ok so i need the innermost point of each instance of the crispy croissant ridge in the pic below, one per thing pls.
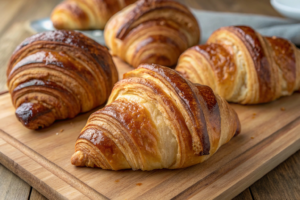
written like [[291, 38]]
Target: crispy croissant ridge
[[58, 74], [86, 14], [242, 66], [152, 31], [155, 119]]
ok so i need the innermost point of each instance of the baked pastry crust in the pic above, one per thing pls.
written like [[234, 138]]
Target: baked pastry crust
[[152, 31], [242, 66], [155, 119], [86, 14], [56, 75]]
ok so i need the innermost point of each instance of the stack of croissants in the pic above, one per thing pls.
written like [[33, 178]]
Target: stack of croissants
[[155, 117]]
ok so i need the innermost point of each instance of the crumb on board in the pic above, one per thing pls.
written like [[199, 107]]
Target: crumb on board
[[61, 130], [274, 37], [253, 115], [252, 137], [139, 184], [282, 108], [56, 133], [117, 180]]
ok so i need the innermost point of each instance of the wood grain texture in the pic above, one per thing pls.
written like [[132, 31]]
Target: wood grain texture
[[32, 10], [285, 176], [43, 180], [15, 11], [9, 183], [54, 169], [245, 195], [18, 11], [265, 141], [35, 195]]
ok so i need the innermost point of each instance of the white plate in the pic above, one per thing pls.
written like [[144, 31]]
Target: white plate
[[288, 8]]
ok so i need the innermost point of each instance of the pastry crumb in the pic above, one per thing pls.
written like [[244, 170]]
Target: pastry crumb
[[139, 184], [56, 133], [61, 130], [282, 108], [117, 181], [274, 37], [252, 137], [253, 115]]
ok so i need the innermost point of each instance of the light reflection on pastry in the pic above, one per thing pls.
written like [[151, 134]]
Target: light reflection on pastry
[[242, 66], [56, 75], [152, 31], [155, 119]]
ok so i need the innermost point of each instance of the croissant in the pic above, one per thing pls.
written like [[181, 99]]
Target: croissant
[[155, 119], [56, 75], [86, 14], [152, 31], [242, 66]]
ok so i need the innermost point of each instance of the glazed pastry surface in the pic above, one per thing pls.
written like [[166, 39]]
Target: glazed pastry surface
[[56, 75], [155, 119], [152, 31], [242, 66], [86, 14]]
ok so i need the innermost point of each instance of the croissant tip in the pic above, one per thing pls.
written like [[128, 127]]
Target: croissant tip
[[81, 159], [34, 115], [58, 22], [78, 159]]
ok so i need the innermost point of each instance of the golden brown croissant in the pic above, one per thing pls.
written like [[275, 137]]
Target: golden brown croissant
[[58, 74], [242, 66], [152, 31], [86, 14], [155, 119]]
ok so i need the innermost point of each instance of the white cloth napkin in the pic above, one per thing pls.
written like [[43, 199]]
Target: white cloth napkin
[[268, 26]]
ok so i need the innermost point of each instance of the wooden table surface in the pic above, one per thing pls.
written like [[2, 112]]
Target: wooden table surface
[[283, 182]]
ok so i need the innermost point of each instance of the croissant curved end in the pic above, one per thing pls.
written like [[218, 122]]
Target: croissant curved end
[[87, 14], [80, 159], [60, 21], [35, 116]]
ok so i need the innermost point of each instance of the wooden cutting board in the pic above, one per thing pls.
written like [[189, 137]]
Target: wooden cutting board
[[270, 134]]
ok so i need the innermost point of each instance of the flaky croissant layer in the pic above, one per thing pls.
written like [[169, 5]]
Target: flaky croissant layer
[[155, 119], [152, 31], [242, 66], [56, 75], [86, 14]]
